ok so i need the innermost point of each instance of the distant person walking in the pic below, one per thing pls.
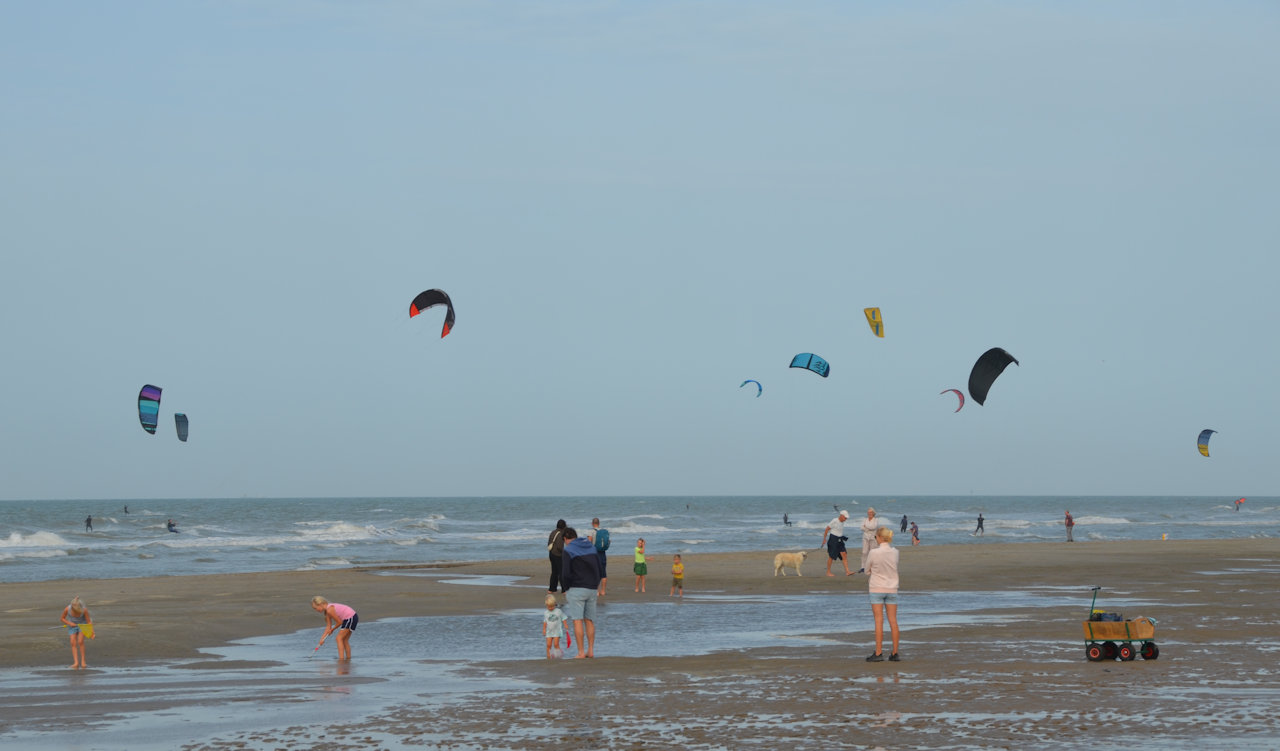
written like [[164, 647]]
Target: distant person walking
[[869, 527], [834, 538], [915, 534], [88, 523], [555, 551], [979, 530], [581, 581], [904, 523], [882, 584], [1070, 523], [600, 538]]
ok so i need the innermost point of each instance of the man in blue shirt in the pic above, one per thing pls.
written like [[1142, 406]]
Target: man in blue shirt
[[580, 578]]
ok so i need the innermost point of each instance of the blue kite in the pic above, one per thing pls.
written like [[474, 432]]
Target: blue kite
[[810, 361]]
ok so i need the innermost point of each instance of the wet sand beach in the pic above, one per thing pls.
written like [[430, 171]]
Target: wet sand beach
[[1011, 673]]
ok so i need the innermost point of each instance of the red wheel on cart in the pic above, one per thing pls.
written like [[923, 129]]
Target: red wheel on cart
[[1094, 652], [1109, 650], [1149, 650], [1126, 652]]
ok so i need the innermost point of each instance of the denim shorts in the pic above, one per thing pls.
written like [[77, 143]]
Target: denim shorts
[[884, 598], [580, 603]]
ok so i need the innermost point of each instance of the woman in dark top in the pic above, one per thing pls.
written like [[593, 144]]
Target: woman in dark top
[[555, 549]]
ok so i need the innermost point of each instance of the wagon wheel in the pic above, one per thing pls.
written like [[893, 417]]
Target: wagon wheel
[[1149, 650], [1094, 652], [1126, 652], [1109, 650]]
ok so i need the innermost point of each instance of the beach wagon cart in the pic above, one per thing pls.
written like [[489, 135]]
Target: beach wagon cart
[[1108, 636]]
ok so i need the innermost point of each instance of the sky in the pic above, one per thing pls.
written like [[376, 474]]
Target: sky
[[635, 207]]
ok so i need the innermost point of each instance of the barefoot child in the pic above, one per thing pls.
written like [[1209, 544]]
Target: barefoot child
[[642, 566], [337, 617], [677, 577], [75, 616], [553, 626]]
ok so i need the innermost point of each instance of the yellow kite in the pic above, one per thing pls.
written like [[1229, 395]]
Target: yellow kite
[[875, 321]]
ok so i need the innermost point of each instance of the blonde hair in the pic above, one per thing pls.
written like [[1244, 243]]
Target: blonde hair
[[318, 600], [76, 606], [550, 600], [885, 533]]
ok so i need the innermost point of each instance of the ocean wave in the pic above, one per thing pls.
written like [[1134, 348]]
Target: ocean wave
[[343, 531], [33, 540], [28, 554], [1098, 520], [632, 528], [329, 562]]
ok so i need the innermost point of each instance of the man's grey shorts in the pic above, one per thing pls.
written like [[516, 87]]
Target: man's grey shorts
[[580, 603]]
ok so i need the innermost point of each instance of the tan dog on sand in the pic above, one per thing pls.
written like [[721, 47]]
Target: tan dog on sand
[[782, 560]]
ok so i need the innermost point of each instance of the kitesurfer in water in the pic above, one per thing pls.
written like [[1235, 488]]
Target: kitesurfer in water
[[786, 520], [88, 523], [171, 525], [979, 530]]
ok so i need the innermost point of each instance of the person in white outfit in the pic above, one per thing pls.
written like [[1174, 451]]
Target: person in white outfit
[[869, 527]]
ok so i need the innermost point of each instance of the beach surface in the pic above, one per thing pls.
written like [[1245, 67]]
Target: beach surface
[[1009, 673]]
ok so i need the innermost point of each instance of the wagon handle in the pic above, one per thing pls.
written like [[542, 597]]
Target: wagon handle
[[1095, 600]]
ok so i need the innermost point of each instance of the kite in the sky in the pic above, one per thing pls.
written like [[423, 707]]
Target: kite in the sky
[[431, 298], [1202, 442], [149, 407], [759, 388], [986, 370], [180, 422], [959, 395], [812, 362], [875, 321]]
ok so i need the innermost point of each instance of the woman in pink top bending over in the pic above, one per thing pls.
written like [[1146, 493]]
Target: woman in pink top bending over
[[336, 617], [882, 572]]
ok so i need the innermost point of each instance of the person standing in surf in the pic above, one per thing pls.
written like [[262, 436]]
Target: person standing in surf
[[882, 585], [337, 617], [1069, 522], [74, 616], [979, 530], [581, 581]]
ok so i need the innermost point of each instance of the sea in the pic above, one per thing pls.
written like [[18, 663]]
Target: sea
[[47, 540]]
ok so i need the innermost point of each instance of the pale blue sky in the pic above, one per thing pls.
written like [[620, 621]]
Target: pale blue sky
[[636, 206]]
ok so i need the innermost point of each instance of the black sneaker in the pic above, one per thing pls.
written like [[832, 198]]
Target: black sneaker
[[894, 657], [877, 657]]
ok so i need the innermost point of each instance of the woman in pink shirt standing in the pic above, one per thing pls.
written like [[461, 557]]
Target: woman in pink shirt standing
[[882, 573], [336, 617]]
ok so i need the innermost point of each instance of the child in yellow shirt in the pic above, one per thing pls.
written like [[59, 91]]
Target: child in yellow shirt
[[677, 577]]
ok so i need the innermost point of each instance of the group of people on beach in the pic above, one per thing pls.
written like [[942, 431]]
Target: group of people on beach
[[579, 567], [879, 561]]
